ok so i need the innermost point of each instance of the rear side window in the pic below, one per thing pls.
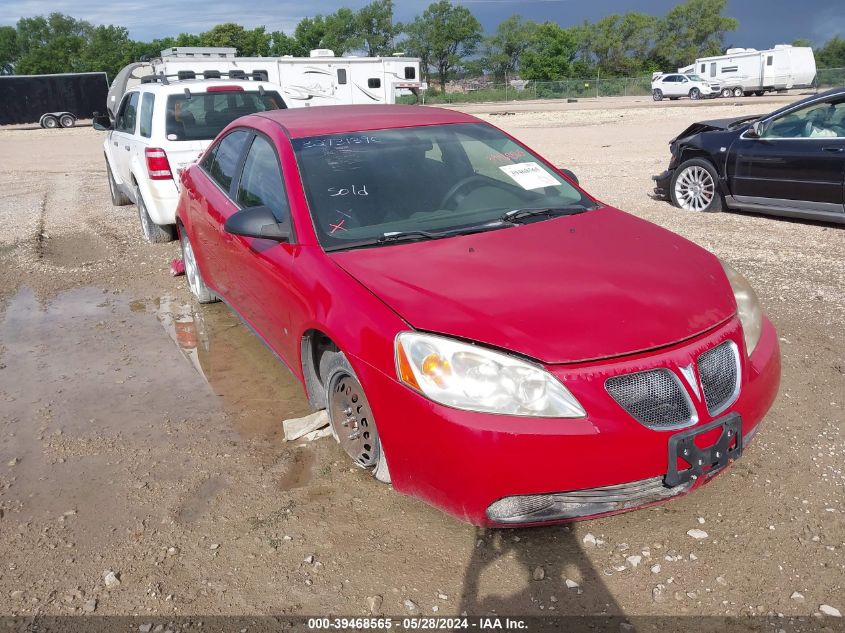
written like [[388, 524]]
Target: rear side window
[[374, 82], [203, 116], [128, 114], [221, 162], [261, 181], [341, 76], [147, 105]]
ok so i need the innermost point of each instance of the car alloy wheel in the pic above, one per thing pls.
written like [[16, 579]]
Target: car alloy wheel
[[695, 94], [694, 188], [192, 272], [657, 95]]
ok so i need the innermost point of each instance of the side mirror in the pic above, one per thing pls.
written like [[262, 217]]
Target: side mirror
[[257, 222], [101, 122], [755, 131], [569, 174]]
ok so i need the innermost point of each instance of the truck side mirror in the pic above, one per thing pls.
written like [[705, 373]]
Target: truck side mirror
[[101, 122]]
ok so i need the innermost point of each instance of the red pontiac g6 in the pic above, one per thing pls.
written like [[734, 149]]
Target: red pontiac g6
[[484, 335]]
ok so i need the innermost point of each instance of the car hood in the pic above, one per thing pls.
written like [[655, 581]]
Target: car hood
[[595, 285], [714, 124]]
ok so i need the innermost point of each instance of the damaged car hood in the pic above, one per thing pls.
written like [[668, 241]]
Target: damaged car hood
[[595, 285], [715, 124]]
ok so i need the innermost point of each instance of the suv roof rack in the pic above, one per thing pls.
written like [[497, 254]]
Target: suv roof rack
[[182, 75]]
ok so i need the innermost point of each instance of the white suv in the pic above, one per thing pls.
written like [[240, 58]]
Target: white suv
[[675, 85], [160, 127]]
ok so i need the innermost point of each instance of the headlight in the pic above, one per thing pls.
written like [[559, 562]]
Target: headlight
[[477, 379], [747, 307]]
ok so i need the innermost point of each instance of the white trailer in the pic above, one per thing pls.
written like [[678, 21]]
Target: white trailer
[[747, 71], [321, 79]]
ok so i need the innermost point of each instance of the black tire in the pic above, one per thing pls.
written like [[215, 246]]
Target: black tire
[[759, 93], [50, 122], [118, 198], [738, 92], [657, 94], [747, 93], [695, 94], [154, 233], [67, 120], [727, 93], [193, 276], [365, 450], [695, 187], [673, 98]]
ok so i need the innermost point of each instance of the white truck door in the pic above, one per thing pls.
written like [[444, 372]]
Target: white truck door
[[368, 83], [343, 83]]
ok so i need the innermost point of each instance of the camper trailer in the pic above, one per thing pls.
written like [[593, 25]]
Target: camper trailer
[[52, 101], [747, 71], [321, 79]]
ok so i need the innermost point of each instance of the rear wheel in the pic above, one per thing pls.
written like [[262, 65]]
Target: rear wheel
[[657, 94], [50, 122], [351, 418], [118, 198], [694, 187], [154, 233], [192, 272], [737, 92], [67, 120], [695, 94]]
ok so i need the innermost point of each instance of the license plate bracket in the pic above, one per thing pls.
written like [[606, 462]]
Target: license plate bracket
[[704, 461]]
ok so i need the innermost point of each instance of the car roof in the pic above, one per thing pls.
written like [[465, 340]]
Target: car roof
[[321, 120]]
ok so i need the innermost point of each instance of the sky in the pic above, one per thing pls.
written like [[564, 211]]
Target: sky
[[762, 23]]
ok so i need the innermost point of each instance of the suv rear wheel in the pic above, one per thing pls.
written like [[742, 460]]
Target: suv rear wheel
[[118, 198], [154, 233], [694, 186]]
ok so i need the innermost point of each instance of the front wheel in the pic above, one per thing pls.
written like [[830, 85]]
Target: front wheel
[[695, 94], [351, 417], [155, 234], [694, 186], [192, 272], [657, 94]]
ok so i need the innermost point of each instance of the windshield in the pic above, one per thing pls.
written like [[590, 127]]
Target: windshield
[[695, 78], [432, 179], [201, 116]]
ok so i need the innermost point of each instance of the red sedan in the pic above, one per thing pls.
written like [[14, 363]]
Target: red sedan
[[484, 334]]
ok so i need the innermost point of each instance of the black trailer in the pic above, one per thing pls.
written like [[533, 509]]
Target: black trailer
[[52, 100]]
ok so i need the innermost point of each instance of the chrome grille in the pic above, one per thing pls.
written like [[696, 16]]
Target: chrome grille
[[654, 398], [718, 369]]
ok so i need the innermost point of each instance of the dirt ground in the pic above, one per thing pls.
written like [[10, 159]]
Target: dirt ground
[[141, 434]]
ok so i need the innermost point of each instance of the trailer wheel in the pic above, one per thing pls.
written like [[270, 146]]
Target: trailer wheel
[[67, 120], [50, 122], [737, 92], [727, 92]]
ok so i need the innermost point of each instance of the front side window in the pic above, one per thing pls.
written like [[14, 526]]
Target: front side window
[[203, 116], [261, 181], [818, 120], [438, 179], [222, 161], [128, 114], [147, 106]]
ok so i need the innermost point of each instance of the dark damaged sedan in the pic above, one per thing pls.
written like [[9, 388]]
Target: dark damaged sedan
[[790, 162]]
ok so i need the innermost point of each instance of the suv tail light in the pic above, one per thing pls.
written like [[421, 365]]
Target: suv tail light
[[158, 166]]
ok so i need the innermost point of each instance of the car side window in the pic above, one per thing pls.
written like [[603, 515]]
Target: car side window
[[222, 162], [147, 106], [128, 114], [261, 181], [818, 120]]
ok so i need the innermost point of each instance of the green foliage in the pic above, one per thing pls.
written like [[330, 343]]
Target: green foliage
[[551, 52], [694, 29], [621, 44], [442, 36], [376, 29], [504, 49], [109, 49], [336, 31], [51, 44], [254, 43], [8, 49], [832, 54], [283, 44]]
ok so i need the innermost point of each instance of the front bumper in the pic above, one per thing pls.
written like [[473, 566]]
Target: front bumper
[[462, 462], [662, 182]]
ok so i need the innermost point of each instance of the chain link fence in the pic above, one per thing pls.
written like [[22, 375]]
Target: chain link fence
[[580, 89]]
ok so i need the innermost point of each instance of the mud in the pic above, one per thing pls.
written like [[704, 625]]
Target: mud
[[141, 433]]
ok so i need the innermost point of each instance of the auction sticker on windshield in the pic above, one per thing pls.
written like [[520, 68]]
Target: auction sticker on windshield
[[530, 175]]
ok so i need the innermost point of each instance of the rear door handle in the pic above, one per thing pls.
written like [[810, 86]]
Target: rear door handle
[[833, 149], [126, 147]]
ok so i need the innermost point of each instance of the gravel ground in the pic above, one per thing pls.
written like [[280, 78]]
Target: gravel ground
[[142, 468]]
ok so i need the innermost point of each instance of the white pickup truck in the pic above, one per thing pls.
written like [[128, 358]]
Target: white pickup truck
[[160, 127]]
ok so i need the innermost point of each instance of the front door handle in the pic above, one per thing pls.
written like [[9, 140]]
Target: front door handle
[[833, 149]]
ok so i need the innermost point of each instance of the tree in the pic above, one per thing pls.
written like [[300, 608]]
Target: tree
[[336, 31], [108, 50], [8, 49], [442, 36], [694, 29], [503, 50], [551, 52], [832, 54], [376, 29], [621, 44], [51, 45], [801, 41], [283, 44]]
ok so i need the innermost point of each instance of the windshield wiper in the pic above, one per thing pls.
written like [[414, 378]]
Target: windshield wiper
[[398, 236], [519, 214]]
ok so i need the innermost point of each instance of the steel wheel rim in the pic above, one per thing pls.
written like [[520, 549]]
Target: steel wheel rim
[[695, 189], [50, 123], [352, 420], [737, 92], [726, 93], [191, 270]]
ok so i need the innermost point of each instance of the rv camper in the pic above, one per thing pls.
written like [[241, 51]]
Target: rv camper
[[321, 79], [746, 71]]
